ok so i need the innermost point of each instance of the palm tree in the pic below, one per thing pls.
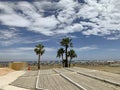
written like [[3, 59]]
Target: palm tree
[[66, 42], [72, 55], [60, 53], [39, 50]]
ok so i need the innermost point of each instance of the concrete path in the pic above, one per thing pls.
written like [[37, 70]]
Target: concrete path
[[8, 78]]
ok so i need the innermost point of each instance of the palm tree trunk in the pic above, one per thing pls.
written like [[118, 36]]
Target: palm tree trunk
[[62, 61], [70, 62], [39, 61], [66, 61]]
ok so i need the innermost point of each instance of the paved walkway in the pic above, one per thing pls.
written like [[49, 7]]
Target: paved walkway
[[8, 78]]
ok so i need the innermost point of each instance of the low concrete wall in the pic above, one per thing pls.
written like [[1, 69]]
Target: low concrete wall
[[18, 65]]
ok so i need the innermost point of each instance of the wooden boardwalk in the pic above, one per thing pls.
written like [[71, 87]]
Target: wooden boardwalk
[[56, 82], [30, 73], [90, 83], [98, 74], [67, 79], [48, 71], [25, 81]]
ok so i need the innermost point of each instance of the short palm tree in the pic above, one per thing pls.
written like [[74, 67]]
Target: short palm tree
[[39, 50], [72, 55], [60, 53], [66, 42]]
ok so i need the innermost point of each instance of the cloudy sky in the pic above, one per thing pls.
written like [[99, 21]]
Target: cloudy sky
[[93, 25]]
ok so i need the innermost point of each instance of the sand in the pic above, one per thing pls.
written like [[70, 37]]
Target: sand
[[4, 71]]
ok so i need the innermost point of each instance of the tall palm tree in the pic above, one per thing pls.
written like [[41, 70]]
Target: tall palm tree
[[72, 55], [60, 53], [66, 42], [39, 50]]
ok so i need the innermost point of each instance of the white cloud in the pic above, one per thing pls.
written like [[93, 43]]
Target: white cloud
[[102, 18], [113, 38], [9, 17], [113, 50], [5, 8], [47, 49], [28, 41], [26, 48], [10, 41], [44, 25], [9, 37], [67, 14], [8, 34], [31, 15], [86, 48], [72, 36], [14, 20], [25, 53], [70, 29], [17, 54], [46, 5], [85, 12], [13, 36]]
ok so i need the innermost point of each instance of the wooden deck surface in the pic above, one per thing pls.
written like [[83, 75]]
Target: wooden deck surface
[[49, 71], [100, 74], [54, 79], [55, 82], [90, 83], [30, 73]]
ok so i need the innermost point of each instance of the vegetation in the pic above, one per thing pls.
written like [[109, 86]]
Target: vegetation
[[60, 53], [72, 55], [66, 43], [39, 50]]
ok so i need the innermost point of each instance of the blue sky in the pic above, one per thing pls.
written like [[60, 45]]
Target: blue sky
[[93, 25]]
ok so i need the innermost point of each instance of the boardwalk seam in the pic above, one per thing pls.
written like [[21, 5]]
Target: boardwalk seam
[[98, 78], [36, 85], [71, 81]]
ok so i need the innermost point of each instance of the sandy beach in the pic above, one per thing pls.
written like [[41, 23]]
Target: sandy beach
[[4, 71]]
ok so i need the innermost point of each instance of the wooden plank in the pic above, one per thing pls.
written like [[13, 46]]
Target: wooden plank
[[90, 83], [100, 75], [54, 82]]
